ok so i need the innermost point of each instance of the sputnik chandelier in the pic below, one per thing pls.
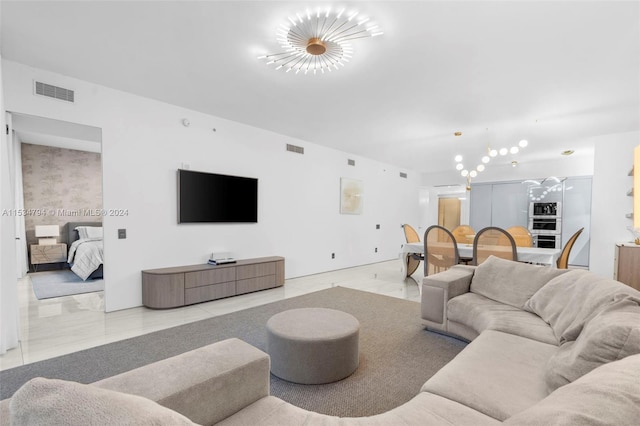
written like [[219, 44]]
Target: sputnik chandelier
[[319, 41]]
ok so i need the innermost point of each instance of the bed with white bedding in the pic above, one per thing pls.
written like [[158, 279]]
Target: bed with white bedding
[[85, 249]]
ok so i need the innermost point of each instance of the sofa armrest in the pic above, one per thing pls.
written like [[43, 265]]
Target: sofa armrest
[[439, 288], [207, 384]]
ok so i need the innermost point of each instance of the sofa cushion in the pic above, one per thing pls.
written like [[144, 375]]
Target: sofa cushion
[[498, 374], [423, 409], [509, 282], [481, 313], [608, 395], [611, 335], [568, 302], [50, 402]]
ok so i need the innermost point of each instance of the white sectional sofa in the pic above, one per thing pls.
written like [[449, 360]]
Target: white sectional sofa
[[547, 347]]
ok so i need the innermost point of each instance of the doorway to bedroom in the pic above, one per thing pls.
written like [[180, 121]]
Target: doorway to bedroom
[[59, 190]]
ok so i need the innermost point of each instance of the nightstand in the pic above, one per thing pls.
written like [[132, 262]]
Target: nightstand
[[51, 253]]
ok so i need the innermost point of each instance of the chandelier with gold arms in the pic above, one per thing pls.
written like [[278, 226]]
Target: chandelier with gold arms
[[469, 173], [319, 41]]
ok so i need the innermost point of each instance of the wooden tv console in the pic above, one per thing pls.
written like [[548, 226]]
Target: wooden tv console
[[185, 285]]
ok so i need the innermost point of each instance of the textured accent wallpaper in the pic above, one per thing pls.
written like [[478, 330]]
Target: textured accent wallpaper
[[60, 186]]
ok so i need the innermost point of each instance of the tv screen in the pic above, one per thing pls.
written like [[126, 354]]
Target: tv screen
[[212, 198]]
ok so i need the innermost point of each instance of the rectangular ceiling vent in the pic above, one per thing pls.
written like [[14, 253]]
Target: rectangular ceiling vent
[[403, 175], [55, 92], [296, 149], [351, 162]]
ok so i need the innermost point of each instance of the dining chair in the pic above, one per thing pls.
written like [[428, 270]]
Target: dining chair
[[464, 234], [412, 259], [563, 260], [440, 250], [521, 236], [493, 241]]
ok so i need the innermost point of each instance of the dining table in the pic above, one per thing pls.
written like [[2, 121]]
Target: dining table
[[535, 255]]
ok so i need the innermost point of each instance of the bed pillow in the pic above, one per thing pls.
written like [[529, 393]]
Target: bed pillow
[[509, 282], [82, 232], [89, 231], [41, 402], [94, 232]]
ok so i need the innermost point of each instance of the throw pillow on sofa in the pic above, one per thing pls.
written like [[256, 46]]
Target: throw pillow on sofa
[[569, 301], [54, 402], [509, 282], [609, 395], [611, 335]]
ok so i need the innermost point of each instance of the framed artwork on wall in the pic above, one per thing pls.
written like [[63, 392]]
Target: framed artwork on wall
[[351, 196]]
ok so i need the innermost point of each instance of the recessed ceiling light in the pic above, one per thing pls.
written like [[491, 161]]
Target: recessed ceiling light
[[567, 152]]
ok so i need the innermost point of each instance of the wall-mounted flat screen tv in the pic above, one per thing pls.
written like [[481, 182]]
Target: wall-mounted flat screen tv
[[214, 198]]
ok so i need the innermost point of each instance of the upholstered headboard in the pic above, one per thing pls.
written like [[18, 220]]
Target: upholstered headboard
[[70, 232]]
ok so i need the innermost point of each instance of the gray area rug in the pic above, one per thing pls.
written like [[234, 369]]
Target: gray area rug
[[397, 355], [50, 284]]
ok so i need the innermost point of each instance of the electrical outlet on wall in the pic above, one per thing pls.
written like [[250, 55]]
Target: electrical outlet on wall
[[333, 255]]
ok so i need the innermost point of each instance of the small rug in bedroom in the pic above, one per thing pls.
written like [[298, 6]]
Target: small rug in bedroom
[[50, 284]]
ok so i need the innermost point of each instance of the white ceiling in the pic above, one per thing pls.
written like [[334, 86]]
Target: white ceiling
[[553, 72]]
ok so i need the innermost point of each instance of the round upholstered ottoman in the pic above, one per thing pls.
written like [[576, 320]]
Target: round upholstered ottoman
[[313, 345]]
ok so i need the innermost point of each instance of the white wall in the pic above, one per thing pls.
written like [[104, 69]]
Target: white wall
[[144, 143], [9, 314], [610, 202]]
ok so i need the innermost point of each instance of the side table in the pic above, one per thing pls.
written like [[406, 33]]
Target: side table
[[50, 253]]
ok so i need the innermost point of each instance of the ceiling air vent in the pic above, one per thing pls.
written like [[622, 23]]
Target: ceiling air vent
[[296, 149], [403, 175], [351, 162], [54, 92]]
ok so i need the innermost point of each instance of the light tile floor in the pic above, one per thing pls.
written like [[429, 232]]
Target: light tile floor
[[59, 326]]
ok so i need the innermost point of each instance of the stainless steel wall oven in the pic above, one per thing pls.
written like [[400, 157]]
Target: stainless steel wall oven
[[545, 224]]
